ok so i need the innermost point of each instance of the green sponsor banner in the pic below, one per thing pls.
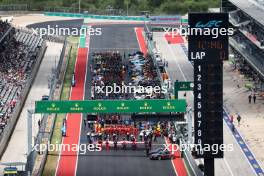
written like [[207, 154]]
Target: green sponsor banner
[[183, 86], [110, 106], [184, 20]]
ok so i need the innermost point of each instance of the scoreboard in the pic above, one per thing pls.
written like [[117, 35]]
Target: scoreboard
[[207, 52]]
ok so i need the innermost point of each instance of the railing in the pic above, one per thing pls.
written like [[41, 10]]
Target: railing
[[250, 58]]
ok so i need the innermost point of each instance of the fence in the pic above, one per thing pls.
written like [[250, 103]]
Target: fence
[[86, 11], [14, 7], [61, 9]]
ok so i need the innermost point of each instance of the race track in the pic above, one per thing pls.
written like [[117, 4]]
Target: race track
[[112, 163]]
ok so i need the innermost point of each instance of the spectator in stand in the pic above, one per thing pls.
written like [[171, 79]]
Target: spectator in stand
[[4, 26], [16, 62]]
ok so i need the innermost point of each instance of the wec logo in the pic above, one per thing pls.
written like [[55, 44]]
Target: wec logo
[[209, 24]]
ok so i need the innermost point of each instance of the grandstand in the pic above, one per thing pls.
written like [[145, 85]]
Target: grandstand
[[4, 28], [19, 51], [248, 42]]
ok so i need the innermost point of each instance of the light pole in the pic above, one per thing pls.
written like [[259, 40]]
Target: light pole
[[127, 2], [79, 6]]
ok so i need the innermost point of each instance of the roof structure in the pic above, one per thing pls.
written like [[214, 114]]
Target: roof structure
[[252, 8]]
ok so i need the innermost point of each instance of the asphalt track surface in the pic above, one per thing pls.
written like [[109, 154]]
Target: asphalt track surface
[[123, 38], [76, 23], [117, 163]]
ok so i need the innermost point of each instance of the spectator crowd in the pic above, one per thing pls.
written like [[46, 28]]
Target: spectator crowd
[[135, 70], [16, 62], [107, 69], [115, 130], [4, 26]]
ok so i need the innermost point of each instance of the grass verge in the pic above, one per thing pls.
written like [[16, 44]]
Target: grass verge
[[52, 159]]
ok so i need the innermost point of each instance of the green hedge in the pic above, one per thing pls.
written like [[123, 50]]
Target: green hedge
[[134, 6]]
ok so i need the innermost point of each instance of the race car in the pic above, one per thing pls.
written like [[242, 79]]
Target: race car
[[157, 150], [162, 155]]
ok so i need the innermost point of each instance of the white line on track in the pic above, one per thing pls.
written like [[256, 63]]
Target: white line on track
[[228, 166], [58, 161], [176, 61], [80, 128]]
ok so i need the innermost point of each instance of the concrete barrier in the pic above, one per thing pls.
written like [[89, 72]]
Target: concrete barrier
[[190, 164]]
